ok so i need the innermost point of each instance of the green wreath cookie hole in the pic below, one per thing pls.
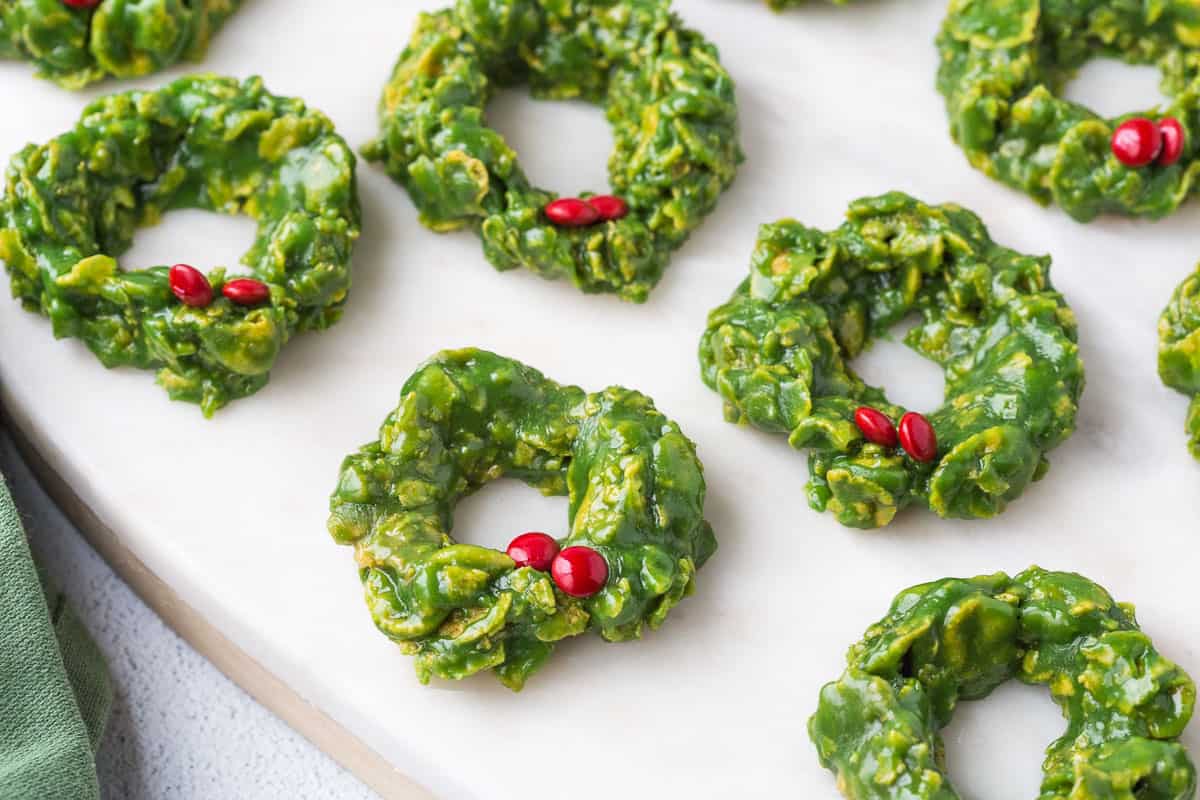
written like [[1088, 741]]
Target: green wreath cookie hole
[[635, 492], [779, 352], [72, 206], [878, 726], [781, 5], [668, 99], [1179, 351], [1003, 66], [75, 46]]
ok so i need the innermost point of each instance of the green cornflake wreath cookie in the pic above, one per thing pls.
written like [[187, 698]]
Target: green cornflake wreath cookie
[[667, 97], [72, 205], [77, 42], [878, 726], [778, 353], [1003, 65], [466, 417], [1179, 350]]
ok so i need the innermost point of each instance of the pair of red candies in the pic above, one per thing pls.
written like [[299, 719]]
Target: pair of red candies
[[914, 433], [571, 212], [1138, 142], [193, 289], [579, 571]]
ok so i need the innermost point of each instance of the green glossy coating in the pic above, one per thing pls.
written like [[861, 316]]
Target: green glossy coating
[[71, 206], [1179, 350], [878, 726], [779, 354], [117, 38], [1003, 65], [666, 95], [635, 494]]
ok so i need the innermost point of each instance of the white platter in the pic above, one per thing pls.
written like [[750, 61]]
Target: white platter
[[221, 523]]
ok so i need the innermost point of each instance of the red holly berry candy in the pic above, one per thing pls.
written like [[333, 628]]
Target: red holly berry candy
[[1136, 142], [81, 3], [917, 437], [609, 206], [876, 427], [190, 286], [571, 212], [533, 549], [246, 291], [1172, 141], [579, 571]]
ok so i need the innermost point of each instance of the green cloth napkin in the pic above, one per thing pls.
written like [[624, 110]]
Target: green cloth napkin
[[54, 690]]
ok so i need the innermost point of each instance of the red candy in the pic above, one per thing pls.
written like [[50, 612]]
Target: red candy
[[1172, 141], [81, 3], [533, 549], [1136, 142], [917, 437], [246, 291], [571, 212], [579, 571], [609, 206], [876, 427], [190, 286]]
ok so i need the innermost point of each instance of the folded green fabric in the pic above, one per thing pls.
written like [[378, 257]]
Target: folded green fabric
[[54, 689]]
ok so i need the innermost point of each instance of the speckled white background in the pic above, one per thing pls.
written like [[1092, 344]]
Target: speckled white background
[[179, 728]]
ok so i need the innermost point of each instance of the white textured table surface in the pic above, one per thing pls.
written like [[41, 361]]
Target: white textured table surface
[[836, 103], [179, 728]]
